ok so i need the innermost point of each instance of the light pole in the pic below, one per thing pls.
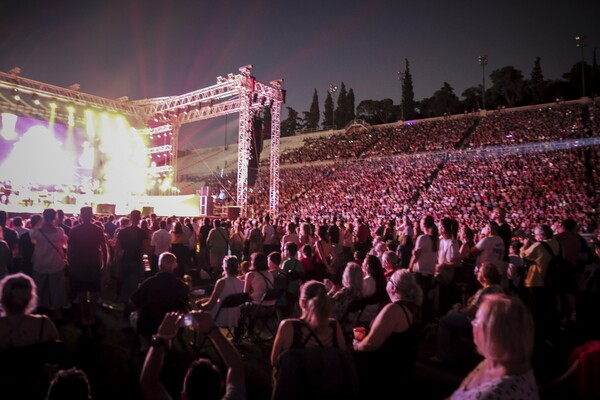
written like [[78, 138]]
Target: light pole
[[332, 89], [581, 44], [401, 77], [483, 60]]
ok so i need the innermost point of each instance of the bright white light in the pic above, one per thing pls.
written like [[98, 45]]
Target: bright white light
[[9, 122]]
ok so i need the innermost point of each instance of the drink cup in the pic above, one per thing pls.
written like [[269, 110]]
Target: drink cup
[[359, 332]]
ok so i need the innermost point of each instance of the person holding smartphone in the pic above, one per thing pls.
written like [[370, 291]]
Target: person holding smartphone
[[203, 379]]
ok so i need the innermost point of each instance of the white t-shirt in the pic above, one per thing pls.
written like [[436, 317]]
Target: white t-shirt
[[492, 251], [427, 257], [269, 232], [448, 251]]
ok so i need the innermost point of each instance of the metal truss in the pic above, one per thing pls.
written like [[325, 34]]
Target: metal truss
[[239, 93], [24, 85], [274, 162]]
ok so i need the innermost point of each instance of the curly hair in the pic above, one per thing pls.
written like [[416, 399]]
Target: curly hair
[[19, 294]]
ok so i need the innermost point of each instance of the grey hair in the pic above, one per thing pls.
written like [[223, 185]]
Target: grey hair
[[405, 285]]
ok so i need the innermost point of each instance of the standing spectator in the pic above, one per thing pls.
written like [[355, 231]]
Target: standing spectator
[[363, 240], [87, 253], [290, 236], [237, 240], [504, 230], [503, 334], [21, 230], [572, 251], [63, 223], [424, 260], [131, 245], [217, 243], [11, 237], [110, 227], [490, 248], [204, 231], [270, 243], [160, 243], [49, 263], [26, 247], [179, 247], [5, 257], [324, 255], [254, 239], [347, 244], [406, 241], [295, 273], [539, 298]]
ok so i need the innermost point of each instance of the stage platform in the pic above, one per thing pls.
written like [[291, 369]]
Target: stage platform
[[179, 205]]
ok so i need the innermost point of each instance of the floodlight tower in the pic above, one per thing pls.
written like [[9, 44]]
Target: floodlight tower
[[483, 61]]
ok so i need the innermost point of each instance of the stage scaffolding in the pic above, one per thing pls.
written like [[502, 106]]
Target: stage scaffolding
[[236, 93]]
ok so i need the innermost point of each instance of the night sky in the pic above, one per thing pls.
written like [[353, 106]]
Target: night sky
[[147, 48]]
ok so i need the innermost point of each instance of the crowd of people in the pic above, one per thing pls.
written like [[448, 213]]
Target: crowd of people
[[409, 233]]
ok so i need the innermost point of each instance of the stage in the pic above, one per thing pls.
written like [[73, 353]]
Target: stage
[[178, 205]]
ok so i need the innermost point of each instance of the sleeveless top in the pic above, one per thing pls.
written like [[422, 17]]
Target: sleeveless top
[[300, 341], [399, 349], [394, 362]]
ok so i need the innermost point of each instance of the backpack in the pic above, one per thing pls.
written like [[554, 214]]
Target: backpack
[[559, 271]]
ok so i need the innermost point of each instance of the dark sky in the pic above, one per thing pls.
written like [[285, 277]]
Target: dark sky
[[149, 48]]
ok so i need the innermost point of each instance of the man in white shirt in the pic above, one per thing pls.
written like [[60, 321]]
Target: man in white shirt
[[161, 243]]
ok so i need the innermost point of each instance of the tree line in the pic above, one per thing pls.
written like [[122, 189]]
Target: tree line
[[509, 88]]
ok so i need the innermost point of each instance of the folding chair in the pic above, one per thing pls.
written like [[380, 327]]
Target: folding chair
[[267, 316], [231, 301]]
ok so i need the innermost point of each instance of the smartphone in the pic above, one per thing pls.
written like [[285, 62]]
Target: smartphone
[[188, 320]]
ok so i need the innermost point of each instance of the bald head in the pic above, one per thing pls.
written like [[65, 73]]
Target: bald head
[[167, 262]]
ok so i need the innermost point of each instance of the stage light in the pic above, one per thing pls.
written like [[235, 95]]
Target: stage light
[[15, 94], [52, 103], [35, 98], [71, 118]]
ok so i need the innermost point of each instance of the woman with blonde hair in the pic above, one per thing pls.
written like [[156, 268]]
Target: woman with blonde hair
[[388, 352], [309, 356], [315, 327], [503, 333]]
